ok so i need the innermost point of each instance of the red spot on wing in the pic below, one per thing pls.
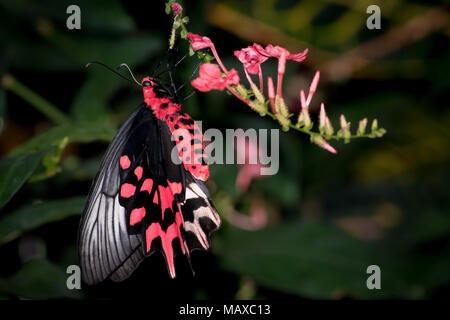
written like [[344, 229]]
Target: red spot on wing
[[137, 215], [154, 231], [175, 187], [127, 190], [166, 199], [155, 198], [172, 232], [147, 185], [138, 172], [125, 162]]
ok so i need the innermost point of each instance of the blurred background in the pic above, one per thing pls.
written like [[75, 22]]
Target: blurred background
[[309, 232]]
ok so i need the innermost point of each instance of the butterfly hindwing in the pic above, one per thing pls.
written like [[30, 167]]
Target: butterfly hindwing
[[200, 216]]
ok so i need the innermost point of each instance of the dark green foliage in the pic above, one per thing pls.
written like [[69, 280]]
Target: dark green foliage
[[329, 217]]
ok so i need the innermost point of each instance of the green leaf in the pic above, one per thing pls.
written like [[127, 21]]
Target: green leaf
[[14, 224], [183, 33], [14, 171], [38, 279], [83, 132], [50, 162], [314, 260]]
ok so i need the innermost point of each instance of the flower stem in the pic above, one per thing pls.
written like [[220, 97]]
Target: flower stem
[[261, 81], [214, 52], [237, 95]]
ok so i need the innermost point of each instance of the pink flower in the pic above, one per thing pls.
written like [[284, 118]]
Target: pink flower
[[199, 42], [211, 78], [257, 218], [176, 8], [271, 94], [251, 59], [282, 55], [277, 52], [232, 78]]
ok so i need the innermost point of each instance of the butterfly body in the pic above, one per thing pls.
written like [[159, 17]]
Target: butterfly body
[[142, 200]]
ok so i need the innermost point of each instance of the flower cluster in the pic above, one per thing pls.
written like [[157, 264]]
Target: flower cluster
[[214, 76], [211, 77]]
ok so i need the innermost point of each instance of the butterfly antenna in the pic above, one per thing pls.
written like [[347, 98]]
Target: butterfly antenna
[[170, 68], [190, 78], [156, 69], [131, 73], [172, 83], [189, 95], [110, 69], [181, 60]]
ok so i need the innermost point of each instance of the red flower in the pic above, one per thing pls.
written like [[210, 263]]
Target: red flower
[[277, 52], [232, 78], [282, 55], [211, 78], [251, 59], [199, 42], [176, 8]]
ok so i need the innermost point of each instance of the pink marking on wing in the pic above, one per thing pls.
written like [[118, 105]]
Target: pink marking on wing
[[176, 187], [171, 233], [147, 185], [138, 172], [154, 231], [137, 215], [155, 198], [166, 199], [125, 162], [180, 222], [127, 190]]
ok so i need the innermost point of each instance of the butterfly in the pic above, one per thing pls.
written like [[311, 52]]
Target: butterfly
[[149, 194]]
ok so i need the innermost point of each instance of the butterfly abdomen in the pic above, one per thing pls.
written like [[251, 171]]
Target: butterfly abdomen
[[189, 141]]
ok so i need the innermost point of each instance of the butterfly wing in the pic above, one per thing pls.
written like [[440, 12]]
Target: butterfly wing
[[112, 237], [104, 243], [141, 201], [199, 214]]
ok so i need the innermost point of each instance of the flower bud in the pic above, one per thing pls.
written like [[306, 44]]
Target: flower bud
[[374, 125], [345, 127], [242, 91], [306, 119], [328, 127], [283, 121], [322, 143], [257, 93], [281, 106], [322, 117], [313, 87], [258, 107], [362, 127], [305, 113]]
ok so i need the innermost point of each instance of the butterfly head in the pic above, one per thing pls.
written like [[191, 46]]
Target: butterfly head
[[147, 88], [158, 97]]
